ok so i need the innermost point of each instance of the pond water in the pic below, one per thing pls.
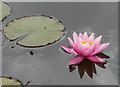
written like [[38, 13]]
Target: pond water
[[48, 65]]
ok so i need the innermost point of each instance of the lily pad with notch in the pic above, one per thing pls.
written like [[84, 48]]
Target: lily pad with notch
[[34, 31]]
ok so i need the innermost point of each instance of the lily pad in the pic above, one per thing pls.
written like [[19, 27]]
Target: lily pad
[[8, 81], [34, 31], [4, 10]]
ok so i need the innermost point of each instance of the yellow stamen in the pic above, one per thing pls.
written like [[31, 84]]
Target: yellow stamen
[[90, 43], [84, 42]]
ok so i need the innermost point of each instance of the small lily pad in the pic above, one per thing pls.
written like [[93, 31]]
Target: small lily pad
[[8, 81], [4, 10], [34, 31]]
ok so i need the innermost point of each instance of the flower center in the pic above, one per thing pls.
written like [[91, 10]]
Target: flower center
[[84, 42]]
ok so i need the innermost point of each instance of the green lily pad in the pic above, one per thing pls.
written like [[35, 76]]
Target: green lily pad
[[4, 10], [4, 81], [34, 31]]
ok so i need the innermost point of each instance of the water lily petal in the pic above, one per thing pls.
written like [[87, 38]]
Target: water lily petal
[[86, 46], [91, 37], [75, 37], [100, 48], [85, 36], [97, 42], [96, 59], [80, 47], [88, 52], [80, 35], [75, 60], [73, 45], [71, 42], [69, 49]]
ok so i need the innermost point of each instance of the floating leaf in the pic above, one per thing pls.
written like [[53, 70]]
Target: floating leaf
[[10, 82], [4, 10], [34, 31]]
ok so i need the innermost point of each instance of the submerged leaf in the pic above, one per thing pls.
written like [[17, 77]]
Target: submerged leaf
[[34, 31], [4, 10], [10, 82]]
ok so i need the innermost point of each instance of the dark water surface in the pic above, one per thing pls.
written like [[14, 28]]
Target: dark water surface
[[48, 65]]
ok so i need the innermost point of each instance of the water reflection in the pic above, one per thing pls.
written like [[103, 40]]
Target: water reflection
[[89, 66]]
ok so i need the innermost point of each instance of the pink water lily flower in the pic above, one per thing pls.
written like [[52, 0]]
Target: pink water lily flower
[[85, 47]]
